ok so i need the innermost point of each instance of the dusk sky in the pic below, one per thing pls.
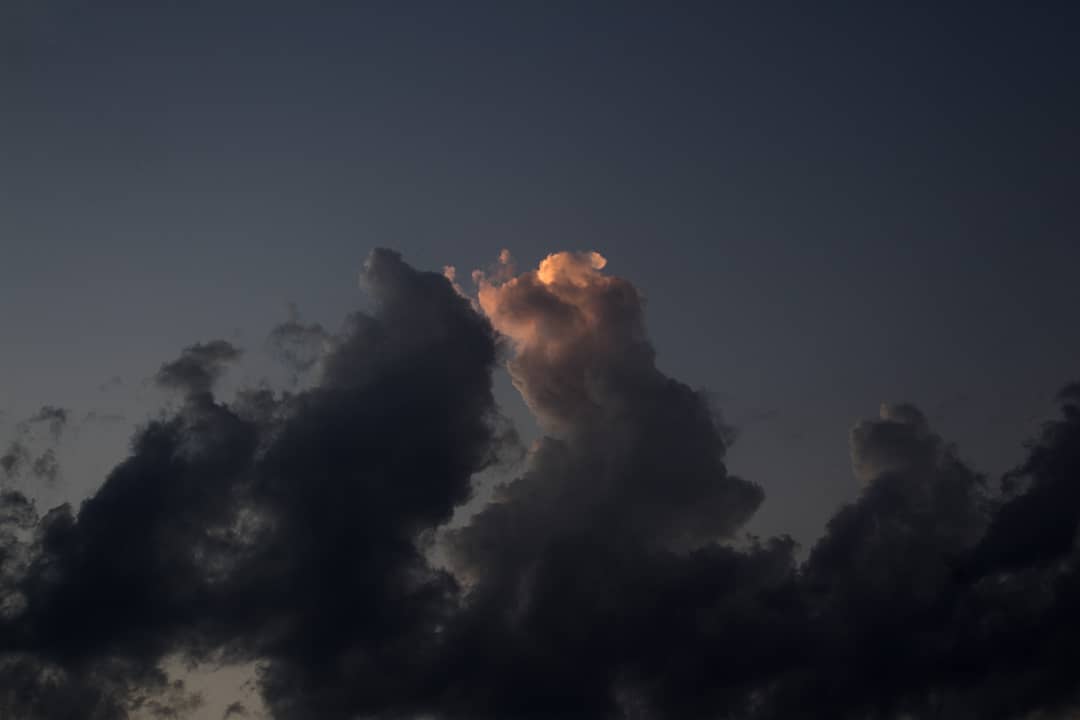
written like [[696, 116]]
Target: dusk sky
[[803, 210]]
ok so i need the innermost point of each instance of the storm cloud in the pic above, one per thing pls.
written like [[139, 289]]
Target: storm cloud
[[305, 530]]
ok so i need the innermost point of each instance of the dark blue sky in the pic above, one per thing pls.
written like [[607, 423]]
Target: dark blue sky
[[826, 206]]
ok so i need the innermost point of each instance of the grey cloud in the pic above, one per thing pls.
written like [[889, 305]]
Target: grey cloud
[[235, 710], [14, 458], [55, 418], [298, 345], [198, 367], [46, 466], [285, 534], [608, 580]]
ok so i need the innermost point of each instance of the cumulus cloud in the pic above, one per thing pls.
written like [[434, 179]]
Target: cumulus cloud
[[1037, 526], [286, 536], [626, 490], [634, 450], [610, 578]]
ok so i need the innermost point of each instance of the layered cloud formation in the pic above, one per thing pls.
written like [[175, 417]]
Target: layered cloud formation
[[294, 529]]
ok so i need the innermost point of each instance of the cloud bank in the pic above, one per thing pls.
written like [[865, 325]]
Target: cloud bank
[[611, 578]]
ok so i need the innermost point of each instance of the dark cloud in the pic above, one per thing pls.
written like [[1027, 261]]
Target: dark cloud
[[282, 529], [298, 345], [305, 531], [879, 586], [1037, 522], [29, 454], [46, 466], [55, 418], [933, 595], [198, 367], [34, 685], [33, 690], [17, 518], [14, 458], [580, 573], [235, 710], [382, 449]]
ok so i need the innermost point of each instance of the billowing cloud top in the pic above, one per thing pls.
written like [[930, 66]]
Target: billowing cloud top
[[574, 330]]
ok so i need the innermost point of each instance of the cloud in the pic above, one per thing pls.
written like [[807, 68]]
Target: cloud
[[880, 584], [18, 460], [198, 367], [1038, 526], [29, 453], [288, 536], [298, 345], [611, 578], [626, 445], [55, 418], [14, 458], [46, 466], [235, 710], [614, 525]]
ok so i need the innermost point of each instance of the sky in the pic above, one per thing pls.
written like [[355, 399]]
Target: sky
[[817, 208]]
